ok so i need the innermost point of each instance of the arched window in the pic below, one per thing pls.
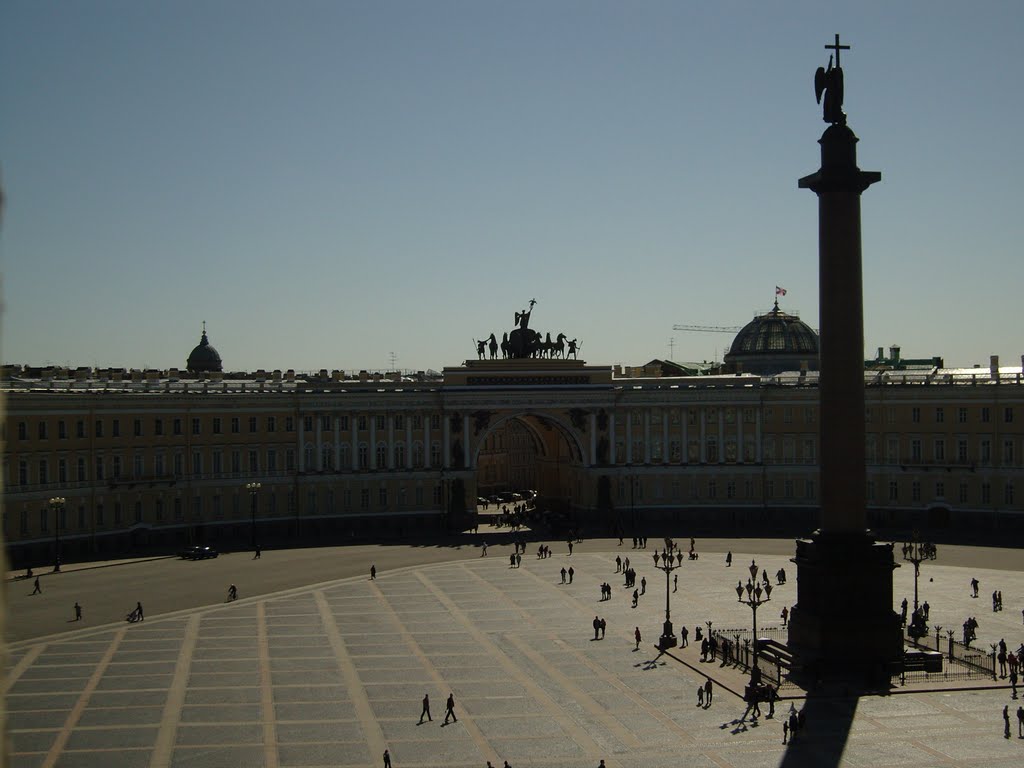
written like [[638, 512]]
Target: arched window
[[417, 455], [364, 456], [343, 462], [382, 455], [400, 455], [327, 456]]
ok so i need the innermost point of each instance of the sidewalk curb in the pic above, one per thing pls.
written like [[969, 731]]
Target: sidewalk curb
[[75, 568]]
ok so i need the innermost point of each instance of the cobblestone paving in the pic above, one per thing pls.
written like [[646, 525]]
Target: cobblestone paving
[[332, 674]]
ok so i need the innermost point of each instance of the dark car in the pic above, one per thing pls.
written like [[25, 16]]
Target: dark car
[[199, 553]]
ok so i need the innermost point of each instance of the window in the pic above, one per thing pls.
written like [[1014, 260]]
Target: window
[[382, 456], [289, 460], [307, 423], [871, 490], [382, 497], [271, 424], [379, 421], [254, 461], [81, 516], [158, 427], [139, 467], [1008, 493], [80, 428], [43, 472], [62, 470], [158, 508], [940, 450], [435, 421], [176, 426], [986, 415], [197, 463], [44, 520], [137, 427], [712, 489], [325, 422], [22, 430], [809, 415], [1008, 453], [364, 498], [138, 511], [961, 451], [787, 488], [961, 415], [417, 421], [940, 490], [62, 430], [271, 460], [24, 522], [196, 424], [22, 472], [97, 428], [400, 455], [364, 456], [289, 424], [343, 423], [177, 509], [399, 422], [963, 493], [115, 428], [42, 430], [986, 493], [81, 470], [809, 490], [986, 452], [216, 425], [915, 450], [435, 454], [117, 513], [99, 513], [218, 462], [236, 425], [915, 414], [1008, 414], [940, 415], [307, 459], [179, 464], [894, 490], [252, 424], [116, 470], [236, 461]]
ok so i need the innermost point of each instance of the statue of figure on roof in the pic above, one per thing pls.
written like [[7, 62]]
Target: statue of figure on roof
[[830, 83]]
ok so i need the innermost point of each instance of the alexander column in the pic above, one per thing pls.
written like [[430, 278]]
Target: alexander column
[[843, 624]]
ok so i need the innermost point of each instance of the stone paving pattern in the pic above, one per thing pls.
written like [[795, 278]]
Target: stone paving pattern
[[334, 673]]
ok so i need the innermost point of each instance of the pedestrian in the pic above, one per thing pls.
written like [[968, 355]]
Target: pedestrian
[[601, 764], [773, 694], [1006, 721], [974, 586], [684, 635], [728, 559], [387, 759], [618, 564], [636, 597], [571, 572], [597, 627], [138, 611], [604, 626], [708, 693], [257, 555], [785, 730], [570, 547], [563, 575], [373, 572], [38, 590], [700, 695], [78, 612], [785, 615], [1020, 722], [643, 585], [636, 634], [426, 709], [450, 709], [675, 582], [483, 549], [794, 722]]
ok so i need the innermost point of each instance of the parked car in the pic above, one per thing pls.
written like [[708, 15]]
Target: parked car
[[199, 553]]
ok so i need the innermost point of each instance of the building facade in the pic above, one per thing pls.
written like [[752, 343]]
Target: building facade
[[158, 459]]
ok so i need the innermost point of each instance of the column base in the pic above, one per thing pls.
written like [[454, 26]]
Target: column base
[[668, 638], [843, 626]]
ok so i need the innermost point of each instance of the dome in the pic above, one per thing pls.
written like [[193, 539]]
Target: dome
[[204, 358], [774, 342]]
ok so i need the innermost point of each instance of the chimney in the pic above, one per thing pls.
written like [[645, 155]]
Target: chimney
[[881, 355], [894, 353], [993, 366]]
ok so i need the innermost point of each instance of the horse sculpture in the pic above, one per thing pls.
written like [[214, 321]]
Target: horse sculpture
[[493, 347]]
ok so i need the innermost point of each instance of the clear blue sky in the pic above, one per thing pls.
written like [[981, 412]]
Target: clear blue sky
[[326, 183]]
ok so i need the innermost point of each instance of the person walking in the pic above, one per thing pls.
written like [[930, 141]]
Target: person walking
[[387, 759], [426, 709], [785, 615], [571, 573], [483, 549], [636, 597], [636, 634], [1020, 722], [38, 590], [78, 612], [449, 710], [564, 572], [1006, 721], [643, 585], [257, 555], [597, 627], [138, 611], [728, 559], [373, 572], [604, 626], [708, 693], [675, 582]]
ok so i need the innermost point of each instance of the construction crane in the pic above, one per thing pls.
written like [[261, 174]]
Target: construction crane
[[707, 328]]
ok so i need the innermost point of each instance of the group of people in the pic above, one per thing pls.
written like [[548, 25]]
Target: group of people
[[600, 625]]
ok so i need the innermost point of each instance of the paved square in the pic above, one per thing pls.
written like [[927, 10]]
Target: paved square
[[333, 674]]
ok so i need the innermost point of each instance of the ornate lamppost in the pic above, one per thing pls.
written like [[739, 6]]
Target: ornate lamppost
[[253, 488], [916, 552], [756, 597], [57, 505], [666, 563]]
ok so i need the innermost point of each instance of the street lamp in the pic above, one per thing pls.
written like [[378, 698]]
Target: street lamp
[[668, 638], [253, 488], [57, 505], [755, 600], [917, 552]]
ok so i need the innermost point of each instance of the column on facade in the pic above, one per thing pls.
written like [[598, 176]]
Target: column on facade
[[391, 441], [302, 441], [319, 442], [703, 435], [426, 440], [465, 441], [684, 416], [593, 439], [629, 435], [664, 437], [446, 447], [354, 426], [647, 435], [739, 434], [612, 458], [757, 434], [408, 441], [721, 435], [373, 441], [337, 442]]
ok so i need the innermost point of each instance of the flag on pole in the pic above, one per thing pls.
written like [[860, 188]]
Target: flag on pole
[[780, 291]]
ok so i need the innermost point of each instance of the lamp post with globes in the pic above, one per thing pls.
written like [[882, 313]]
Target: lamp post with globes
[[665, 563], [253, 488], [756, 596], [916, 551], [57, 505]]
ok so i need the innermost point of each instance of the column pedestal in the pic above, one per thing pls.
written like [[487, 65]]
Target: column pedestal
[[843, 625]]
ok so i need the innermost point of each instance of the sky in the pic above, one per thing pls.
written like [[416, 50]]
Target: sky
[[351, 185]]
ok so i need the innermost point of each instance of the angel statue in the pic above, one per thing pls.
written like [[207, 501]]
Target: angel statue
[[830, 82]]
